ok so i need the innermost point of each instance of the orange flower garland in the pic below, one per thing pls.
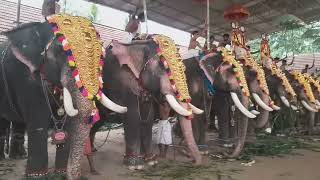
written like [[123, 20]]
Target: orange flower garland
[[306, 85]]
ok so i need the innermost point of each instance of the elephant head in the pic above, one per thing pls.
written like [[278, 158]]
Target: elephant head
[[303, 90], [47, 56], [148, 66], [280, 87], [227, 75]]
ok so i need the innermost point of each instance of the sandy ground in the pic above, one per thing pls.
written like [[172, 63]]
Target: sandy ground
[[304, 166]]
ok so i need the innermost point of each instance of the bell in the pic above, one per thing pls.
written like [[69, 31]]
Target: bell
[[60, 111]]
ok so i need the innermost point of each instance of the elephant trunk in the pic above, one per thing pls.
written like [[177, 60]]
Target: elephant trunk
[[263, 118], [242, 131], [307, 106], [79, 133], [186, 128]]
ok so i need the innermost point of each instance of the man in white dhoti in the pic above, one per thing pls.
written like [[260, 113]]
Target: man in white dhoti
[[133, 27], [164, 134]]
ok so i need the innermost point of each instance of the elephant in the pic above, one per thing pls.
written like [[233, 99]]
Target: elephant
[[224, 73], [135, 77], [31, 58], [282, 92], [200, 98], [305, 97]]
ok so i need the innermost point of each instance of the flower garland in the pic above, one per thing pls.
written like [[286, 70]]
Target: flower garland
[[237, 68], [306, 85], [250, 62], [285, 82], [84, 51], [316, 83], [175, 68]]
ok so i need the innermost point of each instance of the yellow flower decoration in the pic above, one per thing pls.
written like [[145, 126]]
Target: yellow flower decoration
[[285, 82], [306, 85], [172, 61], [250, 62], [316, 83], [237, 68]]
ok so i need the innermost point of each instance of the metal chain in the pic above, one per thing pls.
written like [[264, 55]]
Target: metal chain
[[55, 121]]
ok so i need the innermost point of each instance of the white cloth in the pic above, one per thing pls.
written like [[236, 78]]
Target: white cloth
[[190, 54], [164, 133], [201, 41], [127, 38]]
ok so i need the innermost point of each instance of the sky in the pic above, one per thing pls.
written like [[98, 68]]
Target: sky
[[117, 19]]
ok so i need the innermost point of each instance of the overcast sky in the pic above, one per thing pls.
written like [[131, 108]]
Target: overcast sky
[[117, 19]]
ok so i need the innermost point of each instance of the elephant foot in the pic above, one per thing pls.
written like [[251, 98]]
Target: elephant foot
[[203, 149], [17, 150], [133, 162], [2, 156], [60, 171], [37, 175], [151, 160], [251, 140]]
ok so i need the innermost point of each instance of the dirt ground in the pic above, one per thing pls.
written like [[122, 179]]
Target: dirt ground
[[303, 165]]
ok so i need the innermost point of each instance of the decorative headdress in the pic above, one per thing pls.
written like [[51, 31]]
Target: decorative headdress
[[237, 68], [306, 85], [285, 82], [84, 51], [310, 79], [175, 68]]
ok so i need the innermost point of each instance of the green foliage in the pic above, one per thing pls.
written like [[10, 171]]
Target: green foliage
[[294, 39], [277, 146]]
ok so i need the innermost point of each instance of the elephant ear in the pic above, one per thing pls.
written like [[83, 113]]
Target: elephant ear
[[28, 41]]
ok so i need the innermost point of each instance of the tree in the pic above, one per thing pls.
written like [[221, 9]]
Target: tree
[[295, 38]]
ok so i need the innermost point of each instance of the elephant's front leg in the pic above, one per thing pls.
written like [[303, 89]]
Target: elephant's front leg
[[146, 143], [132, 129], [17, 149], [4, 126], [62, 153]]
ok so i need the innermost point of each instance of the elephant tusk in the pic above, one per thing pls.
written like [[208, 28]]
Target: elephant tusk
[[317, 102], [239, 105], [275, 107], [68, 104], [261, 103], [285, 101], [307, 106], [293, 107], [112, 106], [176, 106], [195, 110], [268, 130], [255, 112]]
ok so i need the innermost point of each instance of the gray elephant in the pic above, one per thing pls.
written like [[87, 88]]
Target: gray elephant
[[305, 96], [32, 57], [227, 77], [135, 75]]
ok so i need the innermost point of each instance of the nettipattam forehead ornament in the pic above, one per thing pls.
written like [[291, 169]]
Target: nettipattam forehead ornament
[[306, 85], [172, 61], [84, 51], [285, 82], [237, 69], [311, 80]]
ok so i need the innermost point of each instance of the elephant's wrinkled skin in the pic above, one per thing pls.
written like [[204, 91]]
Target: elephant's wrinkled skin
[[22, 62], [134, 77], [224, 80]]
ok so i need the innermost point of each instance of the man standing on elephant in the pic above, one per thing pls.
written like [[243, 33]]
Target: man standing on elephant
[[50, 7]]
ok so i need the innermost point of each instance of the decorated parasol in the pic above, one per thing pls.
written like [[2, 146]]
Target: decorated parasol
[[236, 13]]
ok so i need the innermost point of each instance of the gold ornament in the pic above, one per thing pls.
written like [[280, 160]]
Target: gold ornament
[[173, 61], [249, 61], [237, 68], [316, 83], [285, 82], [82, 39], [306, 85]]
